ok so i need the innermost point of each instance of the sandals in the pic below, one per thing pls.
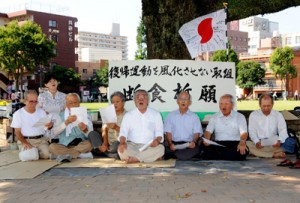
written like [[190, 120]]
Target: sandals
[[287, 163], [296, 165]]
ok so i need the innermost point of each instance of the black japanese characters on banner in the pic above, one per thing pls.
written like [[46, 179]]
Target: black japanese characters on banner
[[165, 79]]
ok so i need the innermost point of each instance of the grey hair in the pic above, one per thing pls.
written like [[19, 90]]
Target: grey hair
[[140, 90], [73, 95], [28, 92], [232, 99], [180, 93], [144, 91], [118, 94]]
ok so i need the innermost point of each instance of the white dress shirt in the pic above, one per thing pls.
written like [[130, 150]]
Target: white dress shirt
[[262, 126], [140, 127], [227, 128]]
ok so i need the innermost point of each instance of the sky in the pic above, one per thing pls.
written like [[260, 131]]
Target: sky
[[98, 15]]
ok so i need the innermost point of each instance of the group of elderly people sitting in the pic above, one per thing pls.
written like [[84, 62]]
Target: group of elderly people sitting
[[140, 135]]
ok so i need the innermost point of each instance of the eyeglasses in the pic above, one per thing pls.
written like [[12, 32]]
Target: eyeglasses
[[142, 96], [72, 102], [33, 101], [183, 99]]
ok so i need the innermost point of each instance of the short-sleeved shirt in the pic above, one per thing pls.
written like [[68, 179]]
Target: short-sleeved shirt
[[24, 120], [60, 129], [183, 126], [140, 127], [113, 134], [49, 102], [262, 126], [227, 128]]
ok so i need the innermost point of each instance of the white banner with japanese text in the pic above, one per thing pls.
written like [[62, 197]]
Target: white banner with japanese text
[[164, 79]]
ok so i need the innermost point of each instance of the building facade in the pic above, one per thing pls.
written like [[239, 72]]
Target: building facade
[[59, 28], [98, 42], [257, 29]]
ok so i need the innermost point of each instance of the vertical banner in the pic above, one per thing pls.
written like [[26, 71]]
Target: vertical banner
[[164, 79]]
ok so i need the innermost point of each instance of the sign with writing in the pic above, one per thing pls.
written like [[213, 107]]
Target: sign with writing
[[164, 79], [205, 33]]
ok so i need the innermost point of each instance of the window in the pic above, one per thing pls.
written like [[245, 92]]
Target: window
[[84, 70], [54, 38], [52, 23], [297, 39], [94, 71], [288, 40], [55, 51]]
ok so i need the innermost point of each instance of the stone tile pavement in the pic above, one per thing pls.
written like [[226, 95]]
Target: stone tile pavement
[[138, 185]]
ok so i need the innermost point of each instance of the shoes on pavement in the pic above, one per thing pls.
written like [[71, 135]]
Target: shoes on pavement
[[296, 165], [286, 163], [64, 158], [52, 157], [88, 155]]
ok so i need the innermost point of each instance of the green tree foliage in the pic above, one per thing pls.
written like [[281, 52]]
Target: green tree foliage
[[68, 79], [23, 48], [249, 74], [221, 55], [141, 52], [281, 64], [163, 19], [101, 77]]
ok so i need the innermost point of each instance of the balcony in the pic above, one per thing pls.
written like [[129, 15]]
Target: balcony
[[268, 87]]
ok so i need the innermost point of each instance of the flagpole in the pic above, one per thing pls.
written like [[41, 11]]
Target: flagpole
[[226, 11]]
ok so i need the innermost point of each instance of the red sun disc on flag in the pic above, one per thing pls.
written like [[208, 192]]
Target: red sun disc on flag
[[205, 30]]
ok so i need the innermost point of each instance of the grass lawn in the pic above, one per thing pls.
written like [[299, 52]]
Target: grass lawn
[[278, 105], [242, 105], [94, 106]]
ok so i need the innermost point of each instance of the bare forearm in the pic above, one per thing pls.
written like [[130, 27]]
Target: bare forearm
[[244, 136], [169, 138], [196, 137], [207, 135], [20, 136], [105, 135], [122, 140]]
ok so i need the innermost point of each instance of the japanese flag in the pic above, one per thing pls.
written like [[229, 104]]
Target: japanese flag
[[206, 33]]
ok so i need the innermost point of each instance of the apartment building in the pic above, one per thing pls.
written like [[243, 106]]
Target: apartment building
[[238, 39], [257, 28], [59, 28], [101, 44]]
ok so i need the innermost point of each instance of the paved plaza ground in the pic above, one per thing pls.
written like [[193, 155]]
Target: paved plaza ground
[[193, 181]]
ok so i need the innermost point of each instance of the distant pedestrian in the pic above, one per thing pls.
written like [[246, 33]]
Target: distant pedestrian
[[296, 95], [275, 95], [13, 96]]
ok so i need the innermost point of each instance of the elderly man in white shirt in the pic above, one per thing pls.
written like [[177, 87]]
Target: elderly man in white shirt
[[268, 124], [230, 130], [141, 126], [32, 142]]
